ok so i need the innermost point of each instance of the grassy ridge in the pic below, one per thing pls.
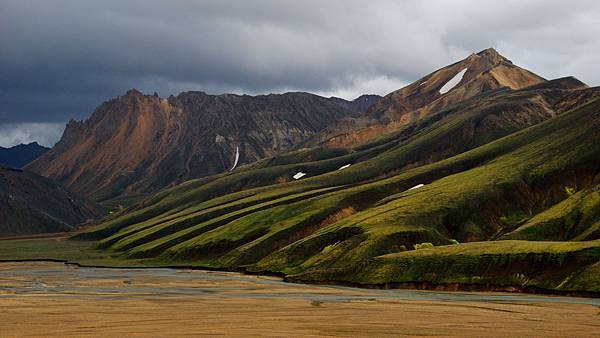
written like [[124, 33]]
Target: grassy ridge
[[563, 266], [576, 218], [455, 206]]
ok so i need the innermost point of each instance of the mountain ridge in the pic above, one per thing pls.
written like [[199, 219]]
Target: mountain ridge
[[137, 144], [21, 154], [485, 71]]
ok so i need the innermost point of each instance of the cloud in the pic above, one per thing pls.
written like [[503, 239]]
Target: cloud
[[61, 58], [45, 134]]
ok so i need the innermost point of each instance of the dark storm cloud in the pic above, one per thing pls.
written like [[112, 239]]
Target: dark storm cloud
[[59, 59]]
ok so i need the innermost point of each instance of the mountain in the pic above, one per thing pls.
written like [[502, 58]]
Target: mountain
[[476, 74], [449, 198], [22, 154], [359, 104], [31, 204], [487, 180], [484, 71], [138, 144]]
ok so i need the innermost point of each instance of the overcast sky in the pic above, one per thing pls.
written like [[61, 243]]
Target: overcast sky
[[60, 59]]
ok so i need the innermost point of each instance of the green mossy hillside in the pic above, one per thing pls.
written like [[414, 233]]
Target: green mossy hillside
[[559, 266], [521, 164]]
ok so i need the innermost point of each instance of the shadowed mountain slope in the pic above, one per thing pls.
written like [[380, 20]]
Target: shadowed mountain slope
[[31, 204], [22, 154]]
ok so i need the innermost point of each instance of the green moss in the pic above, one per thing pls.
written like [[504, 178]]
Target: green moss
[[549, 265], [423, 246], [82, 252], [572, 219]]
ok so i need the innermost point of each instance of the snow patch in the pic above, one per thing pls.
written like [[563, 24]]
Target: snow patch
[[453, 81], [416, 186], [422, 83], [299, 175], [344, 167], [237, 157]]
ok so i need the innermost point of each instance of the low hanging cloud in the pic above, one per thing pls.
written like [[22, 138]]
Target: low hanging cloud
[[45, 134], [61, 58]]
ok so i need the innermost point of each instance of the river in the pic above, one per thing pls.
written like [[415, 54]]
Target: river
[[41, 298]]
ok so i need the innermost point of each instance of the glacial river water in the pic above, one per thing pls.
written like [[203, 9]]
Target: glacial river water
[[58, 278]]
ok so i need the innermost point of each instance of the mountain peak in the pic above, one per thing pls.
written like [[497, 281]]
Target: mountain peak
[[21, 154], [489, 51], [484, 71], [133, 92], [491, 56]]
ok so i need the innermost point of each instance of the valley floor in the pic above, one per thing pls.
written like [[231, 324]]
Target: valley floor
[[53, 299]]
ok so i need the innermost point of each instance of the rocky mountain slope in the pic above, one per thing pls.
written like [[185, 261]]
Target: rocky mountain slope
[[137, 144], [476, 74], [31, 204], [449, 197], [22, 154]]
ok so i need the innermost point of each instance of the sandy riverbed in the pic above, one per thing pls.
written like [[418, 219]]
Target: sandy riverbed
[[51, 299]]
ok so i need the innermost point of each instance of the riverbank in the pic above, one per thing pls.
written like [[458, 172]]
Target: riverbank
[[84, 254], [35, 296]]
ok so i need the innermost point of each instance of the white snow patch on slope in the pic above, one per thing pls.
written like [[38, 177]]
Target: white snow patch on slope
[[416, 186], [299, 175], [237, 157], [453, 81], [344, 167]]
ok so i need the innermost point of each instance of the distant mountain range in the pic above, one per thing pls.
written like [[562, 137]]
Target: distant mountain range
[[22, 154]]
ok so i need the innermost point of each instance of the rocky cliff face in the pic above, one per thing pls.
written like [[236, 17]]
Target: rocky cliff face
[[141, 143], [31, 204]]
